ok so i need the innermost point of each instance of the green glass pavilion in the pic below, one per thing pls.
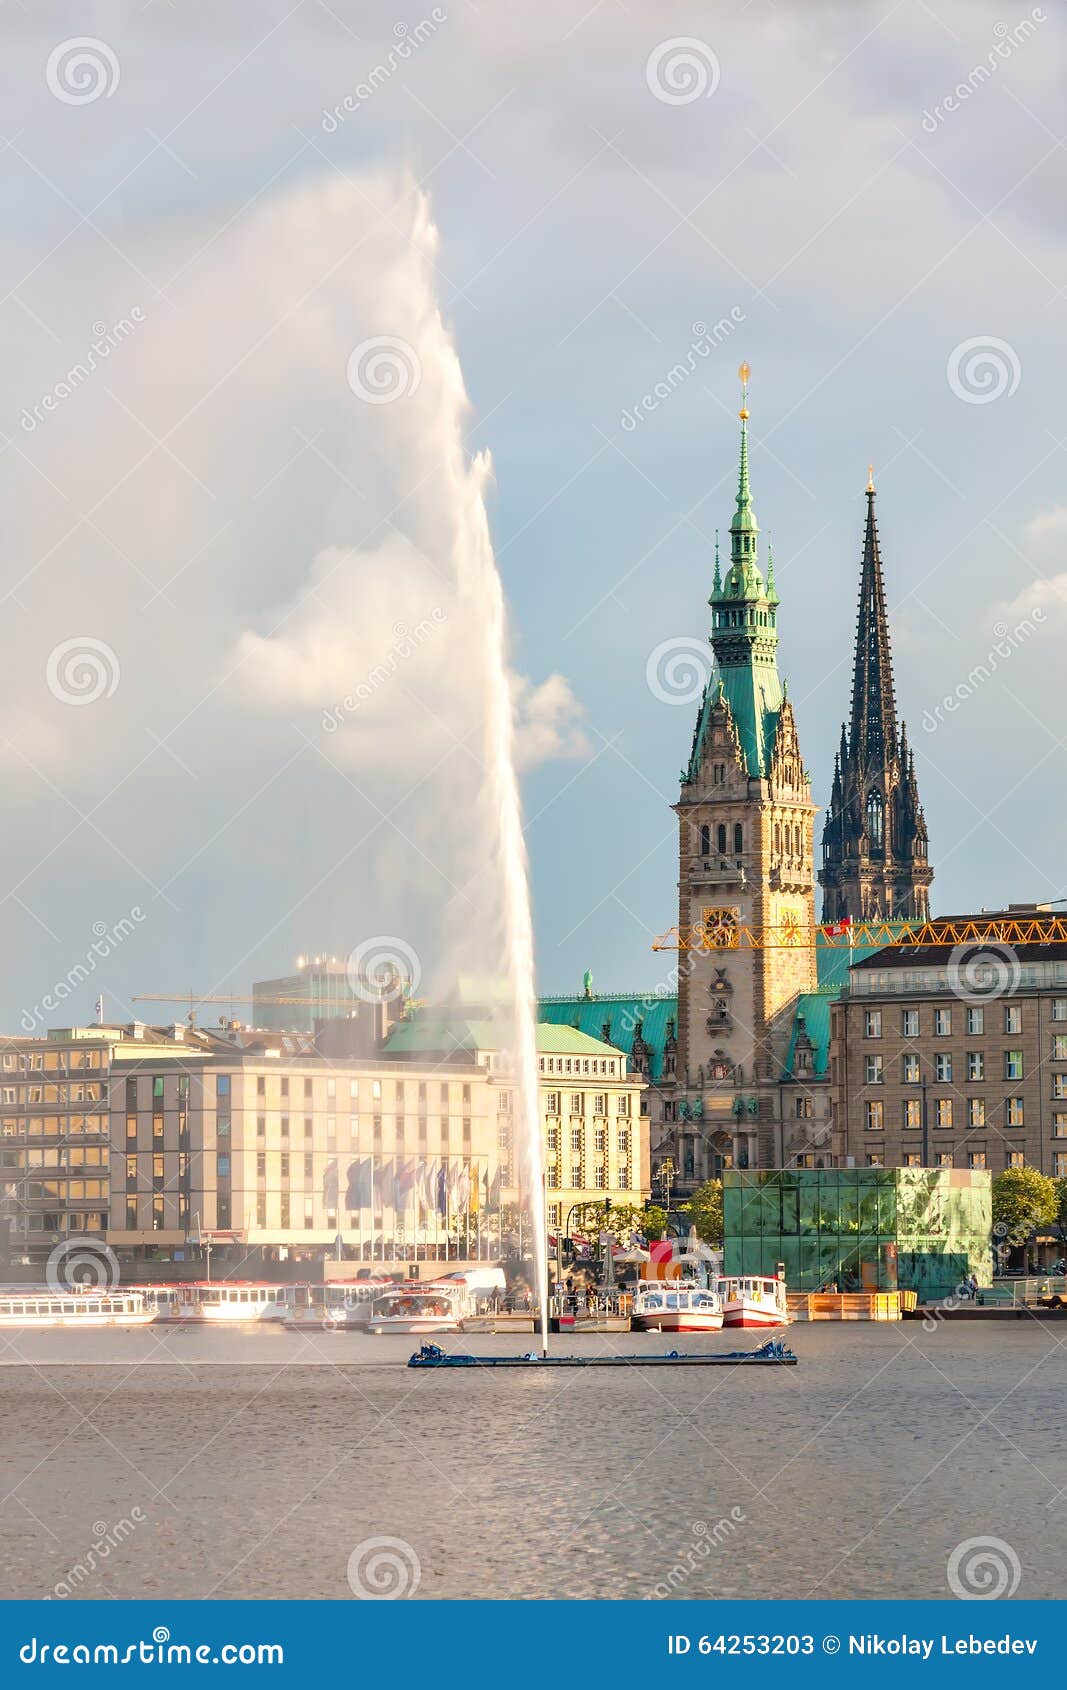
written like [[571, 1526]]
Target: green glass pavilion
[[863, 1229]]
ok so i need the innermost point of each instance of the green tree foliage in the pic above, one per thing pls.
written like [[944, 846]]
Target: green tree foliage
[[704, 1211], [1024, 1199]]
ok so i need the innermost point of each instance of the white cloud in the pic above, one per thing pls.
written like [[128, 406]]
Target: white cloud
[[548, 721]]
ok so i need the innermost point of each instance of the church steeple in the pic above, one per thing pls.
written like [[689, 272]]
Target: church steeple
[[873, 725], [874, 838]]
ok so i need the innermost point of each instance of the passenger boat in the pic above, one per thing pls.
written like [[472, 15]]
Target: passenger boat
[[334, 1306], [676, 1305], [752, 1300], [436, 1305], [214, 1301], [34, 1307]]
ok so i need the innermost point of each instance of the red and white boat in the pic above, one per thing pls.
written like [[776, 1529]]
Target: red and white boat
[[751, 1300], [676, 1305]]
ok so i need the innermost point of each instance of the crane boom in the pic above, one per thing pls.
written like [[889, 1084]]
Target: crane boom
[[997, 930]]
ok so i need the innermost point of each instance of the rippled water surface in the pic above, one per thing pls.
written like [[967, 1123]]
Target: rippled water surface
[[253, 1463]]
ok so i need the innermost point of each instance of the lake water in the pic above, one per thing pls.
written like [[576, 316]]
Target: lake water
[[197, 1463]]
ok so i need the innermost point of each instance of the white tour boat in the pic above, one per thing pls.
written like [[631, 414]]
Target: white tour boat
[[335, 1306], [214, 1301], [34, 1307], [753, 1300], [436, 1305], [675, 1305]]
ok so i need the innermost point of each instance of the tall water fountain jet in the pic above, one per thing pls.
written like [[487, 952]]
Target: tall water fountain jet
[[478, 580]]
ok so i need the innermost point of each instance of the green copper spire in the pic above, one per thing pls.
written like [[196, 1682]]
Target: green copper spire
[[744, 633], [716, 580], [771, 593]]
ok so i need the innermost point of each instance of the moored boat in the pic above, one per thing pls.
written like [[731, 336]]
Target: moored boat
[[753, 1300], [676, 1305], [436, 1305], [214, 1301], [36, 1307]]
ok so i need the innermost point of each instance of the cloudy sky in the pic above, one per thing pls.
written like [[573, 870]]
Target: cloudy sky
[[217, 533]]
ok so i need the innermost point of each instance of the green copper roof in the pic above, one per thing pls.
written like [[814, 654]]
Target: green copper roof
[[744, 521], [622, 1013], [452, 1033]]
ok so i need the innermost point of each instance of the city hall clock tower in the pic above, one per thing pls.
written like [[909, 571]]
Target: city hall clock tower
[[745, 869]]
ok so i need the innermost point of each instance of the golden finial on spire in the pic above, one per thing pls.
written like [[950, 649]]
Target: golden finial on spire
[[870, 478], [744, 372]]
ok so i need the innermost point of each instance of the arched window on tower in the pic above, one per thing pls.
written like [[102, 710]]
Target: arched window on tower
[[739, 838], [722, 839], [777, 839], [705, 841], [796, 840], [875, 819]]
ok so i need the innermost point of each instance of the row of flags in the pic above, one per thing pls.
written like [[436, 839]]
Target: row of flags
[[436, 1185]]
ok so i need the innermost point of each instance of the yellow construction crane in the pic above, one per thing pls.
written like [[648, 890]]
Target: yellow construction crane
[[721, 931], [235, 997]]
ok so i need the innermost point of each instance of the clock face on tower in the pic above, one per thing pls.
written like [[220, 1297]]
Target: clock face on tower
[[789, 925], [720, 928]]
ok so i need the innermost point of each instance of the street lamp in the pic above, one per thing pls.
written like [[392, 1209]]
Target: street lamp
[[666, 1175]]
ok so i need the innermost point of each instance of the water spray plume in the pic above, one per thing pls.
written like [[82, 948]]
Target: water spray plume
[[477, 576]]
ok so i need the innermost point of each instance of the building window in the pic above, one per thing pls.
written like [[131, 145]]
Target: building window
[[975, 1020], [1059, 1047], [875, 818], [1013, 1112], [875, 1116], [222, 1085], [976, 1065], [624, 1141], [1016, 1159], [720, 839], [576, 1138], [976, 1111], [576, 1175], [599, 1139], [1013, 1064], [705, 841], [739, 838], [222, 1126], [261, 1165], [910, 1070], [623, 1181], [224, 1167], [261, 1085], [718, 774], [1059, 1085], [944, 1160], [873, 1070], [910, 1023], [261, 1210], [943, 1068], [872, 1024], [943, 1113], [600, 1103], [976, 1159], [261, 1126], [942, 1022], [600, 1176], [577, 1100], [622, 1104], [804, 1108], [1013, 1018], [158, 1219], [913, 1112], [1059, 1009], [1059, 1164], [874, 1161], [1059, 1123]]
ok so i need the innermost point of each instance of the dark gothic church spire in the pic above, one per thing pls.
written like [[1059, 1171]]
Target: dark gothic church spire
[[874, 838]]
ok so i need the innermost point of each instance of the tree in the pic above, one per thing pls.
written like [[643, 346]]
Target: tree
[[704, 1210], [1061, 1201], [1022, 1200], [621, 1220], [654, 1221]]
